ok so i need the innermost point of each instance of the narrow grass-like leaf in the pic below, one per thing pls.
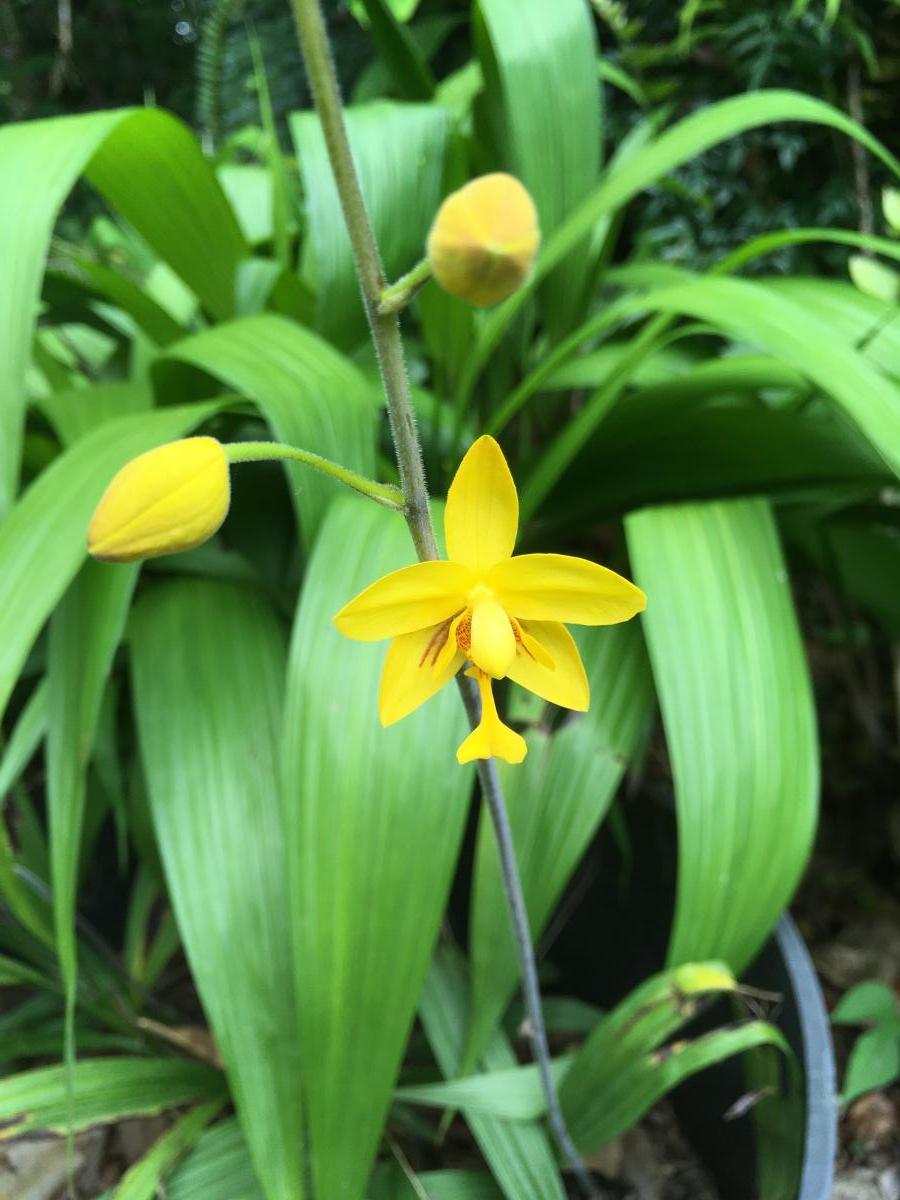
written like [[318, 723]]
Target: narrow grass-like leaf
[[519, 1154], [312, 396], [209, 668], [738, 712], [150, 168], [142, 1180], [24, 740], [42, 541], [543, 64], [692, 136], [393, 145], [514, 1094], [105, 1090], [556, 801], [371, 848], [391, 1183]]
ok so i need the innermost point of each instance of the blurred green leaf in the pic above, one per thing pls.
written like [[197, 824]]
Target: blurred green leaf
[[871, 1000], [105, 1090], [371, 850], [737, 706], [142, 1180], [542, 79], [209, 662], [148, 166], [312, 396], [27, 735], [219, 1166], [399, 154], [874, 1062]]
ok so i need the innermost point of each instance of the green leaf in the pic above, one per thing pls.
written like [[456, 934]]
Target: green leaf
[[42, 541], [150, 169], [24, 740], [76, 411], [633, 174], [105, 1090], [399, 155], [871, 1000], [737, 706], [142, 1180], [786, 328], [84, 633], [391, 1183], [556, 800], [218, 1168], [371, 850], [519, 1154], [312, 396], [874, 1062], [409, 72], [620, 1048], [514, 1094], [542, 73], [209, 663]]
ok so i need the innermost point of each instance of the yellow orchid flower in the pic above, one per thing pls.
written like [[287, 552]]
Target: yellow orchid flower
[[502, 614]]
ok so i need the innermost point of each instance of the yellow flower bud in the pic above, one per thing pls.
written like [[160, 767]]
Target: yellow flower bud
[[162, 502], [484, 239]]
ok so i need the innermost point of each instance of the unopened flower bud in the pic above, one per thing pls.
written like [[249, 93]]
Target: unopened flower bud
[[163, 502], [484, 239]]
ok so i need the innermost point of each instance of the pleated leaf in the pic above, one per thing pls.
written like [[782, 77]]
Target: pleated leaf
[[218, 1166], [738, 712], [544, 63], [209, 663], [556, 800], [151, 170], [374, 819], [43, 539], [84, 632], [312, 396], [633, 173], [399, 155]]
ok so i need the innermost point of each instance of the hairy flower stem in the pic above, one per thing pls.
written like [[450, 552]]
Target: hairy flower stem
[[381, 493], [385, 328]]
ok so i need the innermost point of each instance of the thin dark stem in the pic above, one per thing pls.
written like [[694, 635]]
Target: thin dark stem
[[492, 793]]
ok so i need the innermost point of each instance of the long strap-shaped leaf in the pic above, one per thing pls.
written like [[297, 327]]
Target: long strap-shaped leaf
[[312, 396], [209, 666], [399, 154], [696, 133], [541, 78], [374, 818], [105, 1089], [150, 168], [43, 540], [519, 1153], [737, 707]]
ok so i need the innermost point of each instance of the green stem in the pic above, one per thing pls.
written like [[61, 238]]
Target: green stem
[[397, 295], [382, 493], [385, 329]]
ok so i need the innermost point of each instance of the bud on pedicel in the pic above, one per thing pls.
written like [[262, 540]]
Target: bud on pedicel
[[163, 502], [484, 239]]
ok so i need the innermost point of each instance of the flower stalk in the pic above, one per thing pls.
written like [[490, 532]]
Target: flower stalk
[[396, 296], [381, 493], [385, 329]]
